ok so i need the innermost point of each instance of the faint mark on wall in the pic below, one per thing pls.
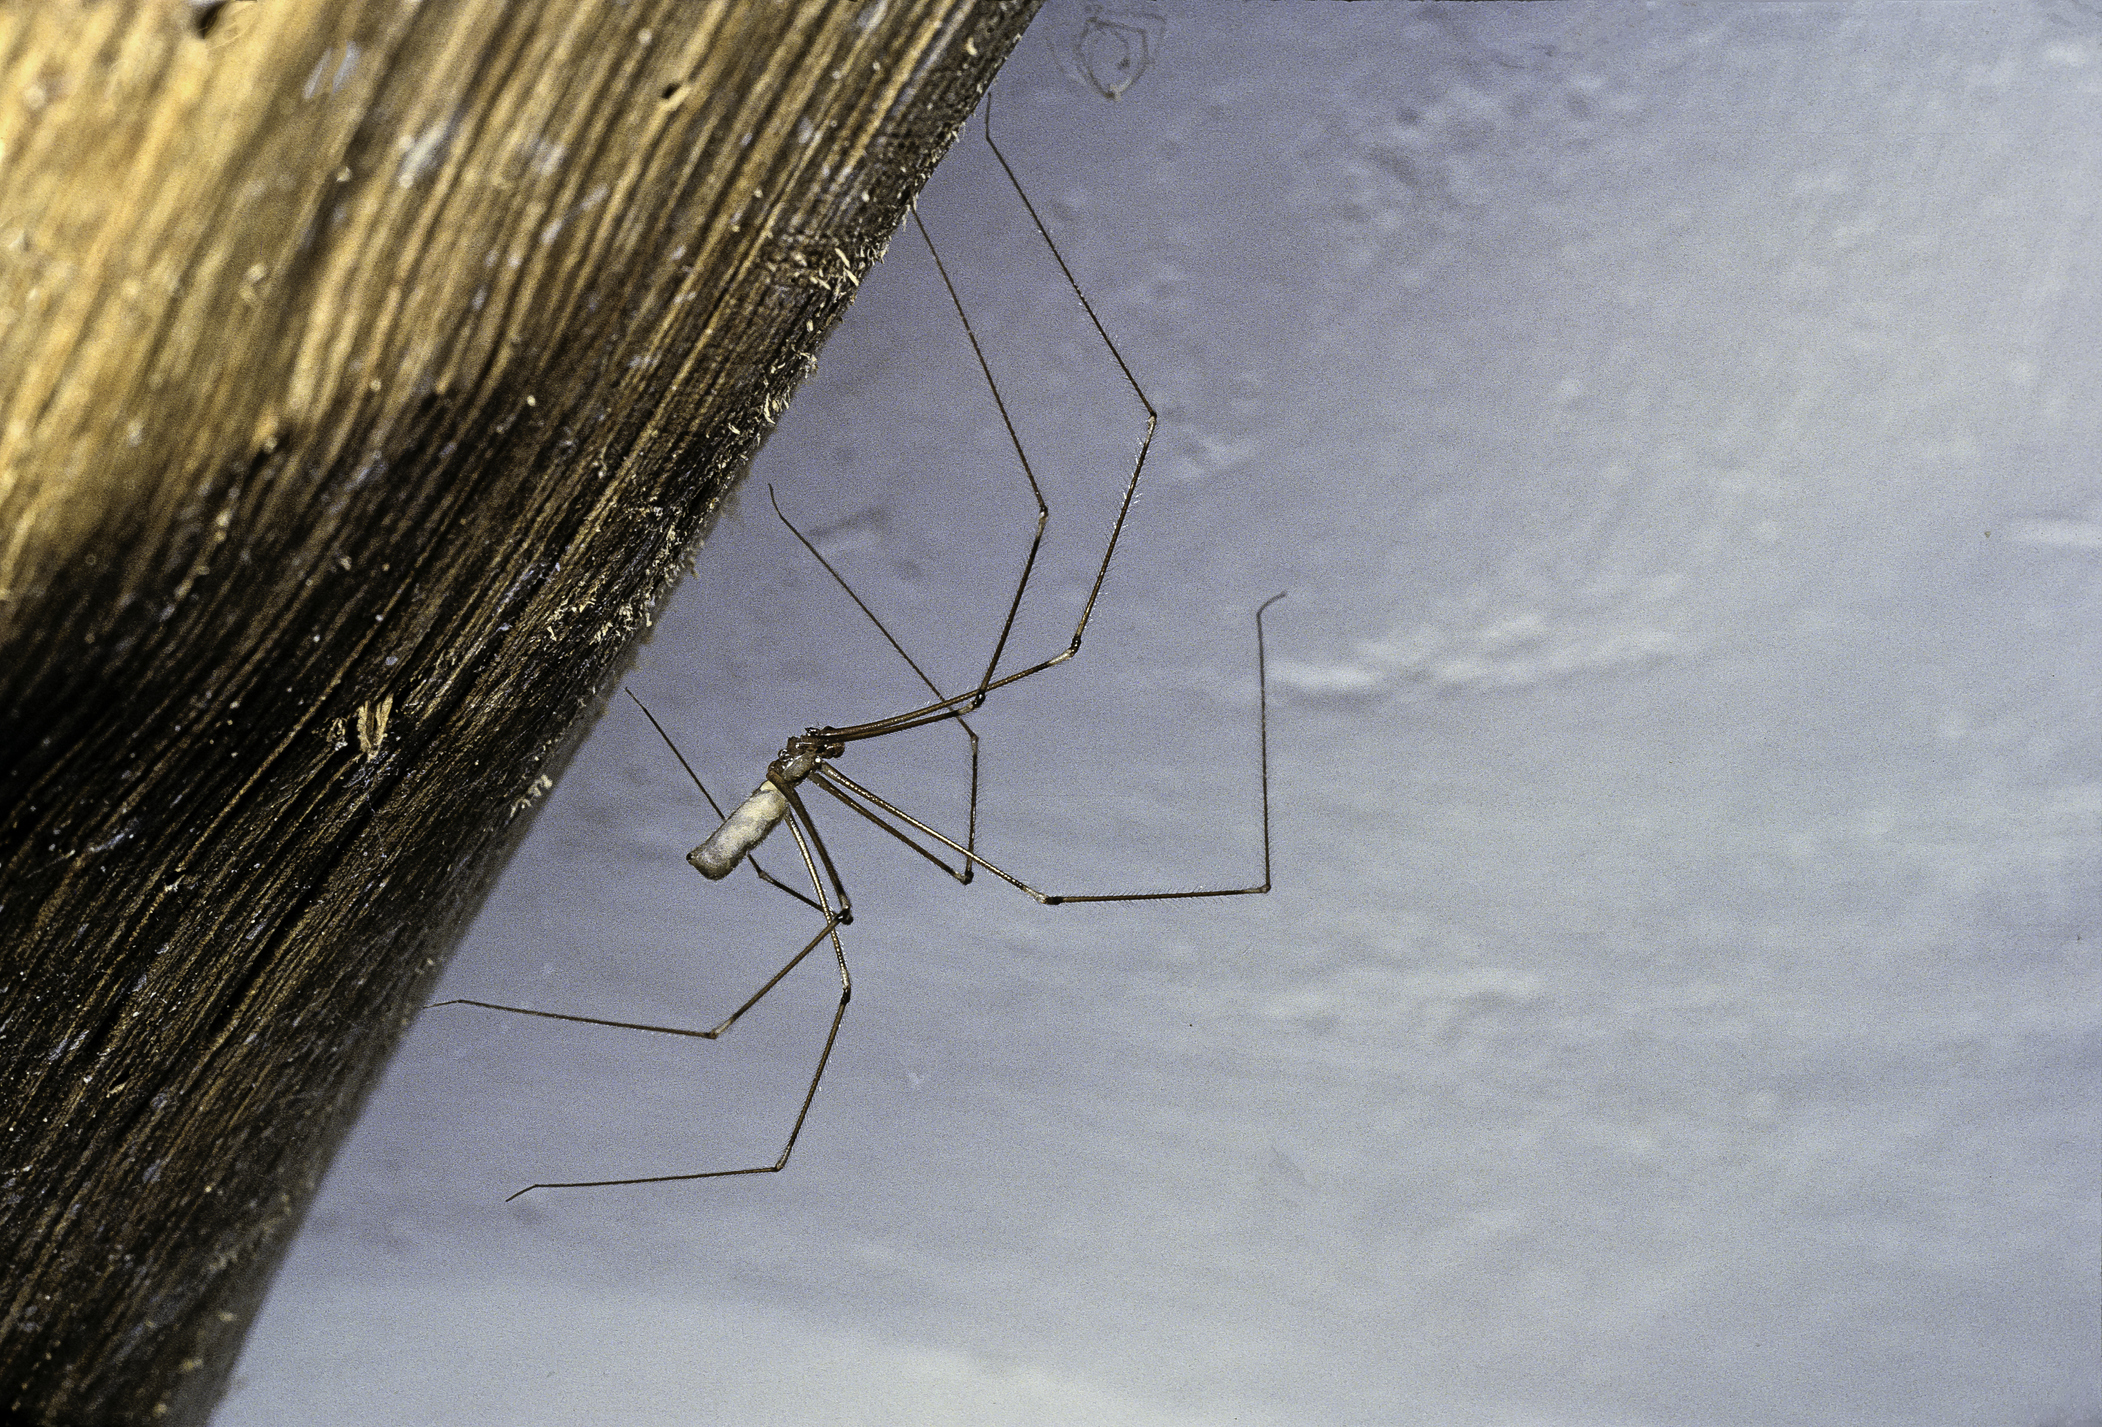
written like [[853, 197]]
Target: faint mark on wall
[[1109, 46]]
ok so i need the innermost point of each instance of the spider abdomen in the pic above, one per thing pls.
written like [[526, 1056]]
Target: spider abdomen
[[746, 827]]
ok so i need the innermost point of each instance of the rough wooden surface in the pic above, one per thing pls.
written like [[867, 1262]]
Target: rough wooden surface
[[368, 372]]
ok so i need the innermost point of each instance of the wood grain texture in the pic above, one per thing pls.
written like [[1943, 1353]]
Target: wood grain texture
[[368, 374]]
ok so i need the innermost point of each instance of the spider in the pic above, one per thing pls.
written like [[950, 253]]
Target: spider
[[811, 758]]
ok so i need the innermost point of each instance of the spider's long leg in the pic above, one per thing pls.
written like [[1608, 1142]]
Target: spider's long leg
[[1014, 437], [970, 837], [946, 707], [831, 922], [865, 801], [956, 706], [858, 798], [1131, 487], [798, 824], [846, 993]]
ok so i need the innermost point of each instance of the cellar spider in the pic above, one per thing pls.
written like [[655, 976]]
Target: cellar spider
[[809, 758]]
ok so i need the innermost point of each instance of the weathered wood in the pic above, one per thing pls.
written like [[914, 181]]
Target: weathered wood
[[368, 372]]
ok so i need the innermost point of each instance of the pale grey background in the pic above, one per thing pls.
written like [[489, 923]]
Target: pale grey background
[[1677, 430]]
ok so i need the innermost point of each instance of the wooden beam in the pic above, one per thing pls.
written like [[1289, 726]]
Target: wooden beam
[[368, 374]]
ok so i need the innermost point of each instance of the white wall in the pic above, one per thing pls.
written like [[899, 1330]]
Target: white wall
[[1676, 429]]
